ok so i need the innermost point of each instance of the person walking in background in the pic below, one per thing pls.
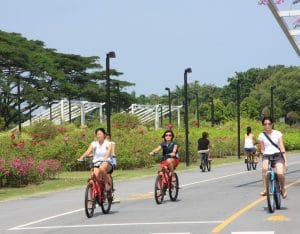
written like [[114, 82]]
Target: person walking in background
[[249, 143], [272, 145]]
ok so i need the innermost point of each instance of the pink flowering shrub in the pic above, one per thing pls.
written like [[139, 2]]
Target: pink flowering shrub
[[22, 171]]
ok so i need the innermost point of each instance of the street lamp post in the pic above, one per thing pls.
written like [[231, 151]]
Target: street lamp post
[[109, 55], [238, 94], [169, 95], [197, 109], [186, 71], [272, 104], [212, 111], [118, 96], [19, 104]]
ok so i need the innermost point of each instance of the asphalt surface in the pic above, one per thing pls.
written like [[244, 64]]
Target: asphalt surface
[[225, 200]]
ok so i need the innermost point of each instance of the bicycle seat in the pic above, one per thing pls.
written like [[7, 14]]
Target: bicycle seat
[[203, 151]]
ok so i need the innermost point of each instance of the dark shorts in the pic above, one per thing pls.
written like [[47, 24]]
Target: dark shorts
[[277, 158], [111, 166], [250, 149]]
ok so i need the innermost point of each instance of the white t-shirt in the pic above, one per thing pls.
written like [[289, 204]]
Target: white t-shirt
[[99, 151], [269, 147]]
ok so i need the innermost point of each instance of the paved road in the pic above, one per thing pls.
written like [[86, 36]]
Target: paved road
[[224, 200]]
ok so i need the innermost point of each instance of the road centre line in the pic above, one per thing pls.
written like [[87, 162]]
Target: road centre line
[[233, 217], [23, 227]]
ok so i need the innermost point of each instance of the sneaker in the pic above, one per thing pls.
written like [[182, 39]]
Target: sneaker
[[264, 193]]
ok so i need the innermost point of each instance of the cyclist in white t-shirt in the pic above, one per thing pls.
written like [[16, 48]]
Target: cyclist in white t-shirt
[[270, 150]]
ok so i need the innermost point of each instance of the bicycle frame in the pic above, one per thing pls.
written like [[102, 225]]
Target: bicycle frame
[[166, 177], [97, 185]]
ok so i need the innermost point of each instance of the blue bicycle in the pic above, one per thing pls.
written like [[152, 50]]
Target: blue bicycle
[[273, 187]]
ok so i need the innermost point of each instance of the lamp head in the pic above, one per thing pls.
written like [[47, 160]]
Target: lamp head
[[188, 70], [111, 54]]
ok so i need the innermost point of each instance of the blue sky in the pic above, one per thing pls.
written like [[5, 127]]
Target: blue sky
[[156, 40]]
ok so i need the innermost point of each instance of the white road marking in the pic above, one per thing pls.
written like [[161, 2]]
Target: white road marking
[[260, 232], [169, 233], [23, 227], [213, 179], [45, 219]]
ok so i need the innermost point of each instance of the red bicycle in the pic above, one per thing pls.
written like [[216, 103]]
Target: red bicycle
[[165, 181], [96, 191]]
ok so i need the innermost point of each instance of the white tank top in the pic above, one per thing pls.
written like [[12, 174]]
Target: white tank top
[[99, 151], [248, 142]]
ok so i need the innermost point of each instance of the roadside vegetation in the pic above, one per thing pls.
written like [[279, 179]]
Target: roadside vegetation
[[44, 151]]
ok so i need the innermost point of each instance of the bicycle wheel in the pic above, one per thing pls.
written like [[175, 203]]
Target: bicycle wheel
[[89, 201], [106, 200], [208, 165], [159, 192], [254, 162], [277, 196], [249, 162], [174, 186], [270, 193]]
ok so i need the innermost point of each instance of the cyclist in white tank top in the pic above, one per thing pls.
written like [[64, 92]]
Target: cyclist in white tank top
[[101, 151]]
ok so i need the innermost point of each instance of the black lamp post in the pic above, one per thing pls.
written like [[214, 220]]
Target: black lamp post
[[272, 104], [197, 108], [186, 71], [118, 96], [109, 55], [212, 111], [19, 104], [169, 95], [238, 94]]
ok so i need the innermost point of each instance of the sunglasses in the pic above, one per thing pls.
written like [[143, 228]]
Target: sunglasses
[[265, 124], [168, 135]]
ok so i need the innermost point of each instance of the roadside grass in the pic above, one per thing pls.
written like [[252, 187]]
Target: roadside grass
[[77, 179]]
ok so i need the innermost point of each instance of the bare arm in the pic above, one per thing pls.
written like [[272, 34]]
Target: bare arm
[[174, 150], [262, 147], [86, 153], [156, 149], [108, 152], [282, 148]]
